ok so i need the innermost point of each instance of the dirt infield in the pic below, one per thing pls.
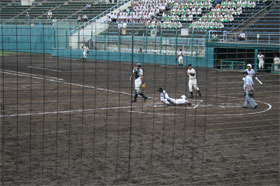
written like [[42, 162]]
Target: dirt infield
[[64, 122]]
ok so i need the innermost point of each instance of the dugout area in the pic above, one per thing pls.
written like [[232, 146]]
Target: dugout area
[[64, 122]]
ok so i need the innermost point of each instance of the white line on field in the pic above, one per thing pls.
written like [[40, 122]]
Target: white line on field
[[35, 76], [65, 111], [103, 89], [152, 113], [45, 69]]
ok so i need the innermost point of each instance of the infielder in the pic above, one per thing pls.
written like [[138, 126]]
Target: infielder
[[85, 52], [249, 91], [137, 72], [171, 101], [180, 58], [261, 61], [192, 80]]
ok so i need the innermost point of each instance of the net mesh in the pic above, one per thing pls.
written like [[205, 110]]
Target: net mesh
[[67, 116]]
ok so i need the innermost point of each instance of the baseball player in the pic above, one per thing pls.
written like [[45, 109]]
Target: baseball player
[[261, 61], [171, 101], [249, 91], [251, 72], [85, 52], [276, 61], [137, 72], [192, 80], [180, 58]]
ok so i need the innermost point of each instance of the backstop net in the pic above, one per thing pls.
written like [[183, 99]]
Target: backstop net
[[69, 114]]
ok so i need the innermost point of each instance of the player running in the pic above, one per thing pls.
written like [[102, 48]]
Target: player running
[[192, 80], [171, 101], [137, 72]]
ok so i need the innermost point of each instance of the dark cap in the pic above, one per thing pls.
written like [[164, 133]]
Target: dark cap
[[160, 90], [245, 72], [189, 65]]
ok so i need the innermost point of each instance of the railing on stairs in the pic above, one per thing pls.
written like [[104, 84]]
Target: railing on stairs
[[120, 3]]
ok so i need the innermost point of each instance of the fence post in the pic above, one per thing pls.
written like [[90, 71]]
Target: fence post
[[192, 44], [160, 40], [146, 42], [105, 42], [67, 41], [78, 39]]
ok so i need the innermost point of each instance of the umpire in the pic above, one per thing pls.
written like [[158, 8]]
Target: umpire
[[249, 91]]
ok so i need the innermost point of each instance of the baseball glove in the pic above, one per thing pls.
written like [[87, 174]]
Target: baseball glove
[[143, 85]]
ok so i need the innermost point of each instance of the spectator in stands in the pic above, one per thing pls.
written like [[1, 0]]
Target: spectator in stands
[[27, 16], [54, 21], [276, 61], [79, 19], [109, 19], [85, 18], [124, 25], [242, 36], [120, 26], [89, 6], [49, 16]]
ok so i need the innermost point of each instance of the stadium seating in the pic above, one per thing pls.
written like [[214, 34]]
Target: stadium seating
[[60, 9]]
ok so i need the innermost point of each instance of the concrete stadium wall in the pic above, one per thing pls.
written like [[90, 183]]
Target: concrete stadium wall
[[53, 40], [138, 57], [26, 38]]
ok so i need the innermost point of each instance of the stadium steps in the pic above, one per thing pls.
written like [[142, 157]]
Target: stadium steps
[[95, 10], [250, 20], [84, 31]]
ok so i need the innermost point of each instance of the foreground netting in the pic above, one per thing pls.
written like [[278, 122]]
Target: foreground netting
[[69, 122]]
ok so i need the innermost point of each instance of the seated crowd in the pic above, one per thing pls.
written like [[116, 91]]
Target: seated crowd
[[202, 14]]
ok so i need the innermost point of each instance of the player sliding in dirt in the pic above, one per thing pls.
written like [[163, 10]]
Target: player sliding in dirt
[[171, 101]]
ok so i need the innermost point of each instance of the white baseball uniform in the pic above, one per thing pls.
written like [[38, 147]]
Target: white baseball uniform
[[180, 57], [276, 62], [171, 101], [138, 73], [180, 101], [261, 61], [163, 97], [85, 51], [192, 79]]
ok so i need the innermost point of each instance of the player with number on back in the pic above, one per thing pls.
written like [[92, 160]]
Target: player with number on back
[[137, 72], [192, 80]]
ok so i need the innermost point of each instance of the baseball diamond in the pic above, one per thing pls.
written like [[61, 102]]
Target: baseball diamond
[[61, 137], [139, 92]]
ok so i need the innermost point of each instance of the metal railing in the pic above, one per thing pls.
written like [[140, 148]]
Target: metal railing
[[120, 3], [257, 38], [73, 23]]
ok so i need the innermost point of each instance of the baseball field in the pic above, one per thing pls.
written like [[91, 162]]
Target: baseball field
[[64, 122]]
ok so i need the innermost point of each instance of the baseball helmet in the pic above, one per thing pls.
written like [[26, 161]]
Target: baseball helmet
[[249, 65], [160, 89], [138, 64], [183, 97]]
